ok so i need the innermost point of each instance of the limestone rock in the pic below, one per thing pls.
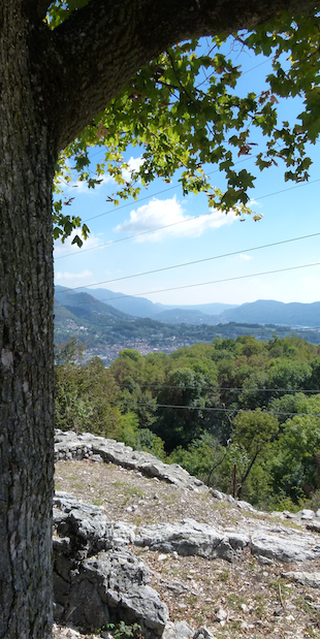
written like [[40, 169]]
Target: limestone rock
[[284, 545], [191, 538], [311, 579], [69, 445], [182, 630], [96, 578], [307, 514], [243, 505]]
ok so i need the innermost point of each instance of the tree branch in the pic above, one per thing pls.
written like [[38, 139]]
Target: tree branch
[[103, 45]]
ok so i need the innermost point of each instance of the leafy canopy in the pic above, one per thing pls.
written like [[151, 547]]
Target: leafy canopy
[[185, 112]]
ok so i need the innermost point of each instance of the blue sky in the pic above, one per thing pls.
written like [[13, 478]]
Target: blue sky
[[289, 211]]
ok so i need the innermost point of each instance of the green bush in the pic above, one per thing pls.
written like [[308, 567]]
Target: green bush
[[127, 430], [86, 398], [201, 456]]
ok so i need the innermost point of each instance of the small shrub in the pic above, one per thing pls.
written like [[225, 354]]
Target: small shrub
[[122, 631]]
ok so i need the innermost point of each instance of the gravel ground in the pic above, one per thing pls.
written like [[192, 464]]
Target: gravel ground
[[243, 599]]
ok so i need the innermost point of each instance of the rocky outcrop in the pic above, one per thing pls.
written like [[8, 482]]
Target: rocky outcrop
[[192, 538], [311, 579], [177, 630], [96, 578], [69, 445], [267, 543]]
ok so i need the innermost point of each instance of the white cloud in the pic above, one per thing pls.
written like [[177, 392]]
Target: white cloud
[[62, 250], [311, 283], [244, 258], [66, 276], [73, 279], [254, 202], [170, 214], [76, 186], [133, 165]]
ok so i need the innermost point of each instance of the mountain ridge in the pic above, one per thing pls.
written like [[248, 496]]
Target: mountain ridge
[[294, 314], [142, 307]]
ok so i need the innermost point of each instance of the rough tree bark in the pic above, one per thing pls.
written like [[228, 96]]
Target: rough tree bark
[[27, 156], [51, 85]]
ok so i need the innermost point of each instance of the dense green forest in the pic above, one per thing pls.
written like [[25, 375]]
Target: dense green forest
[[232, 406]]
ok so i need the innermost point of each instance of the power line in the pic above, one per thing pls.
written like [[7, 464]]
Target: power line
[[297, 186], [130, 237], [226, 388], [220, 410], [147, 197], [255, 67], [228, 279], [176, 186], [140, 199], [207, 259]]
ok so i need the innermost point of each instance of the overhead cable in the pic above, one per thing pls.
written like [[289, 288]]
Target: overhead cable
[[224, 388], [228, 279], [183, 264], [220, 410]]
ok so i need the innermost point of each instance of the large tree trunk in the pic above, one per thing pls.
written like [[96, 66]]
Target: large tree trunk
[[26, 340]]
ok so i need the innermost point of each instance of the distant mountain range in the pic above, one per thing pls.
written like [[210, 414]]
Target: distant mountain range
[[117, 305], [293, 314], [142, 307], [105, 330]]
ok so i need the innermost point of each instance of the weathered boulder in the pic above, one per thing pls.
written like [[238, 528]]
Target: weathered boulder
[[181, 630], [113, 586], [192, 538], [87, 526]]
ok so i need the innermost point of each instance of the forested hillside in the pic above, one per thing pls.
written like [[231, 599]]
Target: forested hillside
[[105, 330], [242, 415]]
